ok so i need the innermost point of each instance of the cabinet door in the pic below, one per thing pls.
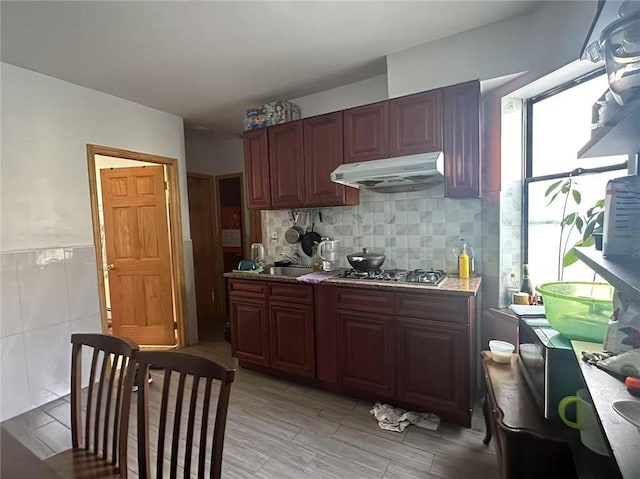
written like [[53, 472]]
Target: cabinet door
[[462, 140], [366, 359], [366, 133], [256, 164], [433, 366], [323, 153], [286, 160], [416, 123], [292, 338], [250, 330]]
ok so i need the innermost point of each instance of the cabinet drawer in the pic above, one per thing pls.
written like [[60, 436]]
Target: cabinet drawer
[[428, 306], [372, 301], [297, 293], [247, 288]]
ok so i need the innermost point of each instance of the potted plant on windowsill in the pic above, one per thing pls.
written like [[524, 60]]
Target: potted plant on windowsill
[[589, 225]]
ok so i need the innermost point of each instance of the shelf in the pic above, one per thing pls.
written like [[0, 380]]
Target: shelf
[[621, 136], [622, 272], [604, 390]]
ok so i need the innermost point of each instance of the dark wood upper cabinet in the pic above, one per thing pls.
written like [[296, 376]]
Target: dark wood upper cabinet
[[462, 165], [292, 338], [366, 132], [366, 359], [286, 161], [256, 161], [416, 124], [323, 153], [433, 366]]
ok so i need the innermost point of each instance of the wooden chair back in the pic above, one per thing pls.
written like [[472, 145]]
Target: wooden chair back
[[191, 370], [103, 429]]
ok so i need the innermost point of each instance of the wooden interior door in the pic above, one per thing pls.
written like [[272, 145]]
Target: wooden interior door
[[138, 254], [201, 221]]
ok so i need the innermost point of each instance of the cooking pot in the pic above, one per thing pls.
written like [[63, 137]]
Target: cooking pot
[[366, 260], [295, 232]]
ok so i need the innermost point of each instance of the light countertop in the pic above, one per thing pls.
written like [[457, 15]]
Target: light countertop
[[451, 285]]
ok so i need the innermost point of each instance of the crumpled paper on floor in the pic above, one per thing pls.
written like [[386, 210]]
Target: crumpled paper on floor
[[396, 419]]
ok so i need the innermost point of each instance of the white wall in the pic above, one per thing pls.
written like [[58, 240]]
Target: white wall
[[536, 43], [346, 96], [49, 275], [209, 155]]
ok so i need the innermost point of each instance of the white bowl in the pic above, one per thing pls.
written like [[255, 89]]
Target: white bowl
[[501, 351]]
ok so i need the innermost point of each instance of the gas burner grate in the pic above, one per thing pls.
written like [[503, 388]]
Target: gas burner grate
[[426, 277], [418, 276]]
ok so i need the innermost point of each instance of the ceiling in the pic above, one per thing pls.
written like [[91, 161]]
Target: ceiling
[[208, 61]]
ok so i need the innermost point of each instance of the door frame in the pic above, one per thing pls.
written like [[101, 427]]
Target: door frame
[[175, 228]]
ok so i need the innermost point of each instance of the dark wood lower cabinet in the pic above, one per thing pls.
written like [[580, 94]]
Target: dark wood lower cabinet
[[250, 330], [433, 365], [411, 349], [291, 333], [366, 362]]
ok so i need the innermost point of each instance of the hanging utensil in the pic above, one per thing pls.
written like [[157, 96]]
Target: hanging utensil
[[310, 240], [295, 233]]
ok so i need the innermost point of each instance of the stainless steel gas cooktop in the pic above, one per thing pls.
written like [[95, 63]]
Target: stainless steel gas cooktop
[[419, 276]]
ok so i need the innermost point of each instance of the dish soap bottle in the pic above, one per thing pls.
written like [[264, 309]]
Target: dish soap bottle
[[464, 262]]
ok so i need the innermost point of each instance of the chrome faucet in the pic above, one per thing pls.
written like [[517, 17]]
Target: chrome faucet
[[295, 259]]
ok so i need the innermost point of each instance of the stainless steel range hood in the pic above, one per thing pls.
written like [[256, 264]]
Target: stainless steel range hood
[[391, 175]]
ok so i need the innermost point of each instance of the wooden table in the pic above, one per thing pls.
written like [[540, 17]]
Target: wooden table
[[527, 445], [18, 462]]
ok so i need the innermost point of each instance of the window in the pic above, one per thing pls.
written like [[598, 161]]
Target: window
[[558, 125]]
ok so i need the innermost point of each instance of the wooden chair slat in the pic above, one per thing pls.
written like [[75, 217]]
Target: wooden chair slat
[[107, 411], [118, 407], [98, 422], [191, 422], [92, 378], [76, 399], [202, 453]]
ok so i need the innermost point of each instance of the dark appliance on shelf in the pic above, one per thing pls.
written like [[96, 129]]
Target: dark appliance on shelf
[[548, 364]]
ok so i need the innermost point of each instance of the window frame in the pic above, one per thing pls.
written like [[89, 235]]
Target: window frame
[[528, 177]]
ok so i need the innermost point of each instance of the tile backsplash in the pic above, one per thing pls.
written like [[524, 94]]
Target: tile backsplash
[[47, 294], [414, 230]]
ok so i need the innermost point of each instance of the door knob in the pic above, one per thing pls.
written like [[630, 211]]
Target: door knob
[[110, 267]]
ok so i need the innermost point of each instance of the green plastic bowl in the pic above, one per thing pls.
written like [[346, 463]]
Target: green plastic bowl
[[578, 310]]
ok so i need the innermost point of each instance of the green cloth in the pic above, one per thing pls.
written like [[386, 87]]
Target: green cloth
[[248, 271]]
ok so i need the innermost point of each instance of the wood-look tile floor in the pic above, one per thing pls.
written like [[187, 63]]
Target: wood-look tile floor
[[282, 430]]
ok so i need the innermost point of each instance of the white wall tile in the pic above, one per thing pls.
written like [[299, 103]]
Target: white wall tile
[[82, 282], [43, 288], [10, 316], [14, 387], [48, 358], [407, 226]]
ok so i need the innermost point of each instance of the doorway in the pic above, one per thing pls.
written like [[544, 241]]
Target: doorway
[[138, 237], [205, 244]]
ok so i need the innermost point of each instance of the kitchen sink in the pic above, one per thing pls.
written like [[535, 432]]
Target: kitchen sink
[[286, 270]]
